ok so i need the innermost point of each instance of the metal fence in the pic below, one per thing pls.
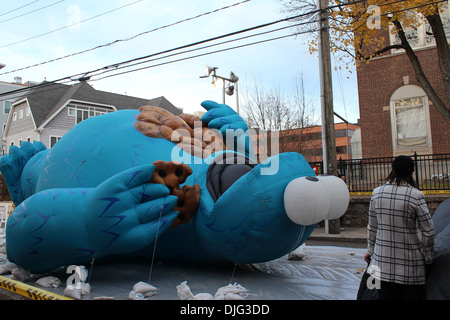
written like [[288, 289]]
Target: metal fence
[[363, 175]]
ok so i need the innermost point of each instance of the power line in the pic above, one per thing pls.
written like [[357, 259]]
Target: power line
[[38, 9], [87, 75], [397, 11], [126, 39], [260, 26], [70, 79], [118, 65], [70, 25], [25, 5], [115, 65], [209, 53], [102, 71]]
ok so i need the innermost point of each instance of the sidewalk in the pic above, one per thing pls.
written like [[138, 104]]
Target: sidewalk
[[348, 235]]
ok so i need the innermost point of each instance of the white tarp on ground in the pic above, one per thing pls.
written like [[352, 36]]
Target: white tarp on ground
[[326, 273]]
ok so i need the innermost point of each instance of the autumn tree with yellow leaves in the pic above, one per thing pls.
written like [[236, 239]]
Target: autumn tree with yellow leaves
[[358, 31]]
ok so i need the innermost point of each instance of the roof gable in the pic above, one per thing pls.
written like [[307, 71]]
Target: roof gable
[[48, 98], [43, 99]]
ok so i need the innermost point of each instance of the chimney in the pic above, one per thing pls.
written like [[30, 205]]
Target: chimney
[[18, 80]]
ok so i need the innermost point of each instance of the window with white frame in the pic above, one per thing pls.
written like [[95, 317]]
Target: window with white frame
[[14, 116], [54, 140], [410, 118], [422, 35], [84, 112], [6, 106], [21, 114]]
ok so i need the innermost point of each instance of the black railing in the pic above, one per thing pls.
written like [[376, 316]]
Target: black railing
[[432, 172]]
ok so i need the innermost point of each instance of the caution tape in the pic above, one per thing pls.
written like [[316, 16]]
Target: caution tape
[[28, 291], [436, 191], [429, 192], [360, 193]]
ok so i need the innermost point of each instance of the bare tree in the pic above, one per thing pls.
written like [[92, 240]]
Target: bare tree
[[272, 110]]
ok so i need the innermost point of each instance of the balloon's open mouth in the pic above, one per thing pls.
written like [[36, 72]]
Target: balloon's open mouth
[[226, 170]]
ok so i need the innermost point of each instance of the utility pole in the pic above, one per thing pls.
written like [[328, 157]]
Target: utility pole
[[326, 99]]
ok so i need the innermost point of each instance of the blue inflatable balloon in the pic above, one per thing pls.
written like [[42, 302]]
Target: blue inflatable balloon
[[116, 183]]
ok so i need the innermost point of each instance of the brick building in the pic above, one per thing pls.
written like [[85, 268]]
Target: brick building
[[308, 142], [396, 115]]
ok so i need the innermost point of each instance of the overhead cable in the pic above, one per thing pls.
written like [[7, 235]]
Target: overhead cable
[[70, 25], [97, 72], [25, 5], [126, 39]]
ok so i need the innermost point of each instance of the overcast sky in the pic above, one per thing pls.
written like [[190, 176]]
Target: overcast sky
[[33, 32]]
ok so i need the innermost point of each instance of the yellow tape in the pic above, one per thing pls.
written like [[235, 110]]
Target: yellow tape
[[28, 291], [360, 193], [424, 192], [436, 192]]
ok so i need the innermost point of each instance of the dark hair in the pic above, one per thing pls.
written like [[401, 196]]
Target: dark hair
[[402, 169], [397, 179]]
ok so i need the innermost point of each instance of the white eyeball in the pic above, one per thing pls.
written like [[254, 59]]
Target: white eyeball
[[305, 201], [309, 200], [339, 196]]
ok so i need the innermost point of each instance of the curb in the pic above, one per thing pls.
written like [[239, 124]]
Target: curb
[[336, 238], [358, 235]]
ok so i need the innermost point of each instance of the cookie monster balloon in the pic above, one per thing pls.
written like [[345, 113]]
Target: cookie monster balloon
[[117, 182]]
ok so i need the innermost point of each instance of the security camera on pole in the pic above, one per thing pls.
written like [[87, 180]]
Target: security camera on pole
[[226, 89]]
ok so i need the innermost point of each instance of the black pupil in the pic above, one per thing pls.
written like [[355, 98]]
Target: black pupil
[[162, 173], [178, 172]]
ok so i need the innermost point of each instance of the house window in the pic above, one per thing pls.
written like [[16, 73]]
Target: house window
[[84, 112], [27, 112], [422, 35], [82, 115], [14, 116], [20, 114], [53, 140], [409, 118], [6, 107]]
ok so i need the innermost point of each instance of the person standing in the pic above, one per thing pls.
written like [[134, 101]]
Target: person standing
[[396, 254]]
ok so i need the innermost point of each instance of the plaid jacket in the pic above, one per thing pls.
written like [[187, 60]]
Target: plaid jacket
[[398, 252]]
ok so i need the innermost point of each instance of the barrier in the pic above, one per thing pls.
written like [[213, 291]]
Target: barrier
[[28, 291]]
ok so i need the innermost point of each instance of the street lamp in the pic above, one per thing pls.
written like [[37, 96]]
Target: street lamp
[[226, 89]]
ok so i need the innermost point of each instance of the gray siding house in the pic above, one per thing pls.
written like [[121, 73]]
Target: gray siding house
[[49, 110], [7, 99]]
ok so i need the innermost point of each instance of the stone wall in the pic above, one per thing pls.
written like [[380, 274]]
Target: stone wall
[[358, 209]]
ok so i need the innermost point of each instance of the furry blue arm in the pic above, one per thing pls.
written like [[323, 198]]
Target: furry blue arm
[[234, 129], [57, 227]]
